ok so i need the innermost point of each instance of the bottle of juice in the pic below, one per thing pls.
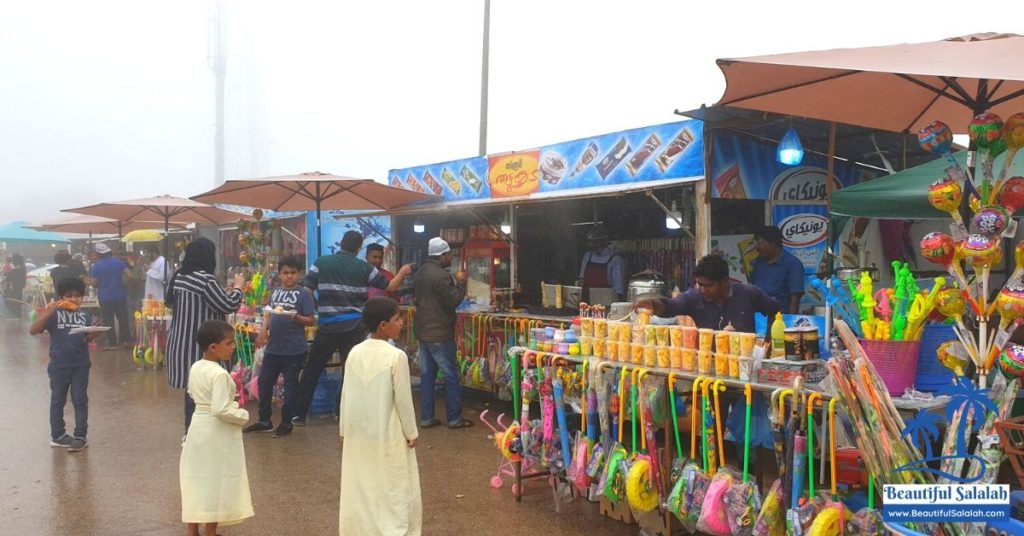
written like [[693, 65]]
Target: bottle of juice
[[778, 333]]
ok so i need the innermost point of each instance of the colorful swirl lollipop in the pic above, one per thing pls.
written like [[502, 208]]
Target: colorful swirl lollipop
[[936, 138], [1011, 195], [952, 355], [986, 131], [1011, 361], [981, 251], [1013, 137], [991, 220], [946, 195], [938, 248]]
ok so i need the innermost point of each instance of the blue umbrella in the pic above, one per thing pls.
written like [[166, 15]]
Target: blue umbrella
[[16, 232]]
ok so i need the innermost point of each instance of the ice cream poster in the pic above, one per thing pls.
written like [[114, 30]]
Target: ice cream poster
[[334, 224], [743, 168], [661, 152]]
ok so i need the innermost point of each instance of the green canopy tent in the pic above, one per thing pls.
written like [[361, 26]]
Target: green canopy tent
[[903, 195]]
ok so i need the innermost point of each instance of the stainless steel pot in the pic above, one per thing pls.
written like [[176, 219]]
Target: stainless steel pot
[[647, 284], [845, 273]]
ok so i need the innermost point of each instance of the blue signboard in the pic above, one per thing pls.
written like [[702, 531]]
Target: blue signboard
[[743, 168], [333, 226], [669, 151]]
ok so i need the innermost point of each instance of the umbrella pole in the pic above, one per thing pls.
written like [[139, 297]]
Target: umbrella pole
[[166, 231], [318, 250]]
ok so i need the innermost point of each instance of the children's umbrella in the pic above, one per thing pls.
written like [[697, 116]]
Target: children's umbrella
[[743, 501]]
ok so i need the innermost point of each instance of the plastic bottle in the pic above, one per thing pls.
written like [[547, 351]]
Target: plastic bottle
[[778, 333]]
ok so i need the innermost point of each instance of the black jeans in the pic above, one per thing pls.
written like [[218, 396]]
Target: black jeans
[[320, 353], [109, 310], [273, 366], [62, 380]]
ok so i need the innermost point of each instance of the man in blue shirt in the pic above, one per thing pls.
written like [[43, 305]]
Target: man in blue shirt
[[777, 271], [108, 275]]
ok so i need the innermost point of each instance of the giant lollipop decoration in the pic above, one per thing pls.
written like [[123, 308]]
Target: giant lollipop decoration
[[1010, 306], [937, 138], [982, 252], [953, 356], [991, 220], [1011, 361], [940, 248], [1011, 195], [950, 303], [946, 195], [986, 131], [1013, 137]]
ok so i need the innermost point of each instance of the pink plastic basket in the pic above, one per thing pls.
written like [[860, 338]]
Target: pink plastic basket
[[895, 361]]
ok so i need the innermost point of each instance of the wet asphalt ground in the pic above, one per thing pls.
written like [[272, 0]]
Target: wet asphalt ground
[[126, 481]]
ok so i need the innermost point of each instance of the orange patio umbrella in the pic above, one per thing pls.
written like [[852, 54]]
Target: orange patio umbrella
[[163, 208], [898, 88], [81, 223], [312, 191]]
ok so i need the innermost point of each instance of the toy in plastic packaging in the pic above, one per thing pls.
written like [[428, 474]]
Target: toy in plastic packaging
[[771, 519], [742, 504], [799, 520], [713, 518], [676, 500], [612, 484], [578, 472], [696, 485], [865, 522]]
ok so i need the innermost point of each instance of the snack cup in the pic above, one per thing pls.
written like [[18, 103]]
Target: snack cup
[[721, 364], [705, 364], [734, 366], [586, 346], [601, 349], [587, 327], [650, 335], [624, 352], [747, 343], [690, 337], [643, 316], [722, 342], [650, 356], [574, 348], [675, 336], [689, 358], [636, 354], [600, 328], [661, 332], [706, 338], [735, 342], [675, 357], [638, 334], [663, 356]]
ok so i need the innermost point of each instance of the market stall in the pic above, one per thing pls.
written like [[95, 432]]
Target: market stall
[[518, 224]]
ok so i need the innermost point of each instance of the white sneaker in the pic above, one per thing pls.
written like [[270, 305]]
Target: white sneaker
[[63, 442]]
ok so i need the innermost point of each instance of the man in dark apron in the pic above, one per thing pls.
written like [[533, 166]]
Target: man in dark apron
[[602, 271]]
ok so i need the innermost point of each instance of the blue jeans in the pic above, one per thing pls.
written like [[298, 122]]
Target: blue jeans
[[62, 380], [436, 356]]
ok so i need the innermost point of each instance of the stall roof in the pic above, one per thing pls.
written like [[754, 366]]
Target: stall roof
[[579, 193], [853, 143], [903, 195]]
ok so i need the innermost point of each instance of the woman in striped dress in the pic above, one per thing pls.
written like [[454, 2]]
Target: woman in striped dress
[[194, 297]]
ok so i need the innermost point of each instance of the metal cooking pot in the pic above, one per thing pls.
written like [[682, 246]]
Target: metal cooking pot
[[647, 284], [845, 273]]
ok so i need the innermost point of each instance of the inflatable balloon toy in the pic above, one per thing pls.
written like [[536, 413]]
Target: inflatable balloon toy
[[992, 220], [953, 356], [1011, 361], [986, 131], [937, 138], [946, 195]]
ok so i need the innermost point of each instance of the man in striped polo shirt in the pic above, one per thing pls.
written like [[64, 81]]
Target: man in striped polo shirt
[[342, 284]]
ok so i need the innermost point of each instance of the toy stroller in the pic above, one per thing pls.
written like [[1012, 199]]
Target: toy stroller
[[506, 438]]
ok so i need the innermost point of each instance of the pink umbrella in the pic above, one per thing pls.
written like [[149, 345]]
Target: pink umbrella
[[164, 208], [312, 191]]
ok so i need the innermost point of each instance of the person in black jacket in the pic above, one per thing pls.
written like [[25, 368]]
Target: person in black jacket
[[438, 294]]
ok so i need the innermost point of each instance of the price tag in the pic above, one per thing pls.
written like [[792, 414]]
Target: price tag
[[957, 231], [1002, 338], [1011, 229]]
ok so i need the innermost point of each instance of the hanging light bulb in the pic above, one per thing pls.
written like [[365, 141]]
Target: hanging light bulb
[[418, 227], [506, 227], [673, 218], [791, 151]]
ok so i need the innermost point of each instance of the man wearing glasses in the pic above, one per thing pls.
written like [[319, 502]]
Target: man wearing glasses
[[717, 302]]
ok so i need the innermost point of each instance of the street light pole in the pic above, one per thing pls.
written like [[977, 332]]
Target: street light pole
[[218, 64], [484, 77]]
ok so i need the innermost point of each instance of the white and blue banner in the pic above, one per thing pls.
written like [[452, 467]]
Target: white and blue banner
[[928, 503]]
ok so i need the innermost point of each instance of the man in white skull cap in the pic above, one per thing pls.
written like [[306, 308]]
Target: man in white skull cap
[[438, 295]]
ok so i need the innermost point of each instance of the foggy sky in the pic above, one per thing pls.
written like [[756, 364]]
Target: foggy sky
[[110, 100]]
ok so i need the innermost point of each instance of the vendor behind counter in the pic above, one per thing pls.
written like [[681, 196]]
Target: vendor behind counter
[[719, 303]]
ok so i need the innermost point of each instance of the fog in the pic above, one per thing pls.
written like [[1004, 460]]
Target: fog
[[111, 100]]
